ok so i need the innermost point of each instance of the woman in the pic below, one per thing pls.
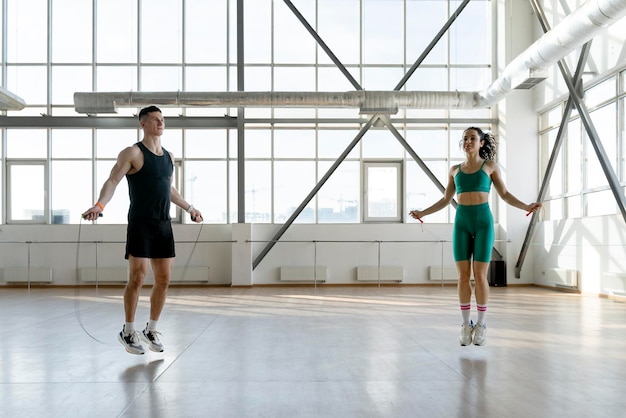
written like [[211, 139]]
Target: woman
[[473, 233]]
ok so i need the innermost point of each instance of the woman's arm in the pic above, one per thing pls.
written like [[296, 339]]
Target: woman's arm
[[441, 203], [507, 196]]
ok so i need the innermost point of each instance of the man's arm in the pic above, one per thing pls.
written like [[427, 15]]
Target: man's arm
[[123, 165]]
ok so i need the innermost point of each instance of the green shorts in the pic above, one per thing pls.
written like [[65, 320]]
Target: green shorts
[[473, 234]]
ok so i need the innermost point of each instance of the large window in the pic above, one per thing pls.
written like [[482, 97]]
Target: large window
[[578, 186], [56, 48]]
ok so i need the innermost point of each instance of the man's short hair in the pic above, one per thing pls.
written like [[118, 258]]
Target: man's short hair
[[143, 112]]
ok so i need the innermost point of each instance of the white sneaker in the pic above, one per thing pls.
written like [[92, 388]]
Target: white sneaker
[[480, 334], [130, 342], [151, 337], [467, 331]]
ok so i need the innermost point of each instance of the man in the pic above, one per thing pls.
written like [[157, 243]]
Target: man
[[148, 168]]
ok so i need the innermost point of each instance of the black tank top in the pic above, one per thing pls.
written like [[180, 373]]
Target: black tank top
[[149, 188]]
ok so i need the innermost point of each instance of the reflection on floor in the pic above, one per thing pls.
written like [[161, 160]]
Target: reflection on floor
[[312, 352]]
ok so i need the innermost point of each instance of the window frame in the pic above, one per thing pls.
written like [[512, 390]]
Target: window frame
[[398, 164]]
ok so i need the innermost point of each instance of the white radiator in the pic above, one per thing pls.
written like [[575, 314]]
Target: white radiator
[[442, 273], [386, 273], [104, 274], [28, 275], [303, 273], [563, 277], [614, 283], [190, 274]]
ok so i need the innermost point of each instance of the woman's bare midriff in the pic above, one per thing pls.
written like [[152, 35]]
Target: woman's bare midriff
[[472, 198]]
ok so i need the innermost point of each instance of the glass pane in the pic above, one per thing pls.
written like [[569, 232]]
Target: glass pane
[[258, 33], [601, 203], [383, 46], [71, 143], [555, 187], [206, 187], [380, 143], [68, 80], [172, 140], [421, 192], [339, 27], [429, 143], [601, 93], [205, 79], [161, 79], [381, 78], [27, 31], [292, 42], [116, 34], [256, 79], [555, 210], [116, 211], [67, 204], [29, 83], [258, 143], [294, 144], [470, 35], [382, 191], [294, 79], [110, 142], [27, 192], [161, 31], [205, 31], [293, 181], [27, 143], [424, 20], [233, 193], [574, 149], [551, 118], [331, 143], [338, 199], [428, 79], [332, 79], [200, 143], [116, 78], [71, 25], [573, 207], [469, 79], [258, 192]]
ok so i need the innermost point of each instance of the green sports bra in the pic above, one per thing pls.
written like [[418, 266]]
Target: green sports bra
[[475, 182]]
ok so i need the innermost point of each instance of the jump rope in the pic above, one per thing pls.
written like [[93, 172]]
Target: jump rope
[[77, 287]]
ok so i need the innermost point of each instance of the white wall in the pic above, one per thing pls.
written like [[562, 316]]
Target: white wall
[[229, 250], [595, 247], [517, 138]]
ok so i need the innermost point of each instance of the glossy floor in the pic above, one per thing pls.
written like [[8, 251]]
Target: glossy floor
[[313, 352]]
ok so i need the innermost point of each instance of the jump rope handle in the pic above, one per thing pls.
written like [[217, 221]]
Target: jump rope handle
[[99, 215]]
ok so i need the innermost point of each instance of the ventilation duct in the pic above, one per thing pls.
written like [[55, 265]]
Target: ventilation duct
[[525, 71], [9, 101], [367, 101], [576, 29]]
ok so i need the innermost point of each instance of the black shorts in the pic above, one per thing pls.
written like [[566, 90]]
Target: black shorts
[[150, 238]]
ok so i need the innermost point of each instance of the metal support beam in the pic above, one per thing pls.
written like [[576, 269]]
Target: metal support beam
[[573, 85], [413, 154], [312, 194], [241, 112], [553, 156], [332, 169], [323, 45]]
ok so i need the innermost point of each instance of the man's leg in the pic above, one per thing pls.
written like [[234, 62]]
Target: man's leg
[[162, 268], [138, 270], [129, 337]]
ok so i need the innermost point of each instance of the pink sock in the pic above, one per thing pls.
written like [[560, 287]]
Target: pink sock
[[466, 309], [482, 312]]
